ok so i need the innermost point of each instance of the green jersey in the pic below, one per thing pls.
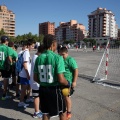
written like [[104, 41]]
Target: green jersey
[[13, 53], [48, 65], [70, 66], [4, 53]]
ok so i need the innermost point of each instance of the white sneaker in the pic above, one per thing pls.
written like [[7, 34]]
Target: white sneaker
[[22, 104], [30, 100]]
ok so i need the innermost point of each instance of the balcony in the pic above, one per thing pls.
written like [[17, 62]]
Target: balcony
[[104, 24]]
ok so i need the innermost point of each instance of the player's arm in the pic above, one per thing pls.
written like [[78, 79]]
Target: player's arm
[[75, 77], [35, 77], [35, 72], [26, 69], [10, 59], [62, 79], [74, 66]]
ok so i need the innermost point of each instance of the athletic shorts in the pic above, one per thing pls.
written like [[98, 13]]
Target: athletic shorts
[[52, 101], [35, 93], [24, 81], [5, 74]]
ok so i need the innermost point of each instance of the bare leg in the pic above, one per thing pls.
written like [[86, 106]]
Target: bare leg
[[17, 88], [68, 103], [28, 91], [63, 116], [47, 117], [5, 83], [36, 104], [23, 92]]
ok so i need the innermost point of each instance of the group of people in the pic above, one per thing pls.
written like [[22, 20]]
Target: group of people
[[47, 74]]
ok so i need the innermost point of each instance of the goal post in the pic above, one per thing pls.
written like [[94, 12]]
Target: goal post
[[109, 66]]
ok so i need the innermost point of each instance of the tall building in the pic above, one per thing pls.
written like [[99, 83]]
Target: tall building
[[70, 31], [47, 28], [102, 23], [118, 34], [7, 21]]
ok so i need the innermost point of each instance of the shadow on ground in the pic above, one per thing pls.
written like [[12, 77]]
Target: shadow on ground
[[11, 104]]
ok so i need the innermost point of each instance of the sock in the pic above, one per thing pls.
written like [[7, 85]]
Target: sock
[[37, 112]]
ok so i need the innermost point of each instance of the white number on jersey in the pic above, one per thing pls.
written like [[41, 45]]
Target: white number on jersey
[[45, 73], [2, 56]]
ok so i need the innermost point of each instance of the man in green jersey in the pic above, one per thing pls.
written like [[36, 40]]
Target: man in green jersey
[[71, 74], [14, 56], [48, 72], [5, 53]]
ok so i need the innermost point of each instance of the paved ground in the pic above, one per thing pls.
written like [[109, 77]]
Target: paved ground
[[90, 100]]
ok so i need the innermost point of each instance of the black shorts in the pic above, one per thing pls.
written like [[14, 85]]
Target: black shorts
[[5, 74], [52, 101], [35, 93]]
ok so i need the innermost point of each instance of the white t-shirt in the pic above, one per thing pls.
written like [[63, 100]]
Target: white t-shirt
[[20, 53], [34, 85], [26, 57]]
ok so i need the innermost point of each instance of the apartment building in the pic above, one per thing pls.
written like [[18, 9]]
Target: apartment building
[[118, 34], [7, 21], [102, 24], [70, 31], [47, 28]]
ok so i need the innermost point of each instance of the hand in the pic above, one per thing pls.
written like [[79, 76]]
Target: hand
[[74, 84], [28, 77]]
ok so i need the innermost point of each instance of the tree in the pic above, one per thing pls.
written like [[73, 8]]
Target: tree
[[92, 41], [2, 32], [40, 38], [86, 40]]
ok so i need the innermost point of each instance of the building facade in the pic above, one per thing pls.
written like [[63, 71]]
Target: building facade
[[47, 28], [70, 31], [7, 21], [102, 24], [118, 34]]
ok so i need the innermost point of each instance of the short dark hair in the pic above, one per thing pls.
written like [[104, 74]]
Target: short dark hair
[[11, 44], [31, 40], [48, 40], [16, 47], [28, 42], [40, 48], [63, 49], [4, 39]]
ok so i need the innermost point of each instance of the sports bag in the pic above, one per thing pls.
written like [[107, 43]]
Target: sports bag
[[19, 63]]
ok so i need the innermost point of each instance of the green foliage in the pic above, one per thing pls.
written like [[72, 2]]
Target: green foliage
[[69, 41], [92, 41], [117, 42], [25, 37], [2, 32]]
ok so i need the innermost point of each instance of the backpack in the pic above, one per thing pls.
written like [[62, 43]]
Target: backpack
[[19, 63]]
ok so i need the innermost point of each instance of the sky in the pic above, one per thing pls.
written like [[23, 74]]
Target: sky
[[29, 13]]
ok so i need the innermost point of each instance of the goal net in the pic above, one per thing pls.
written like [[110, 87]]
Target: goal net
[[109, 66]]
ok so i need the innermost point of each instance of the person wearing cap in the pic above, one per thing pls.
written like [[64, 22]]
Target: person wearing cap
[[5, 55], [48, 72]]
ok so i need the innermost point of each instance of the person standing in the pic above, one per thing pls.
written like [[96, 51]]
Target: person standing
[[5, 56], [35, 86], [48, 72], [71, 74], [25, 75]]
